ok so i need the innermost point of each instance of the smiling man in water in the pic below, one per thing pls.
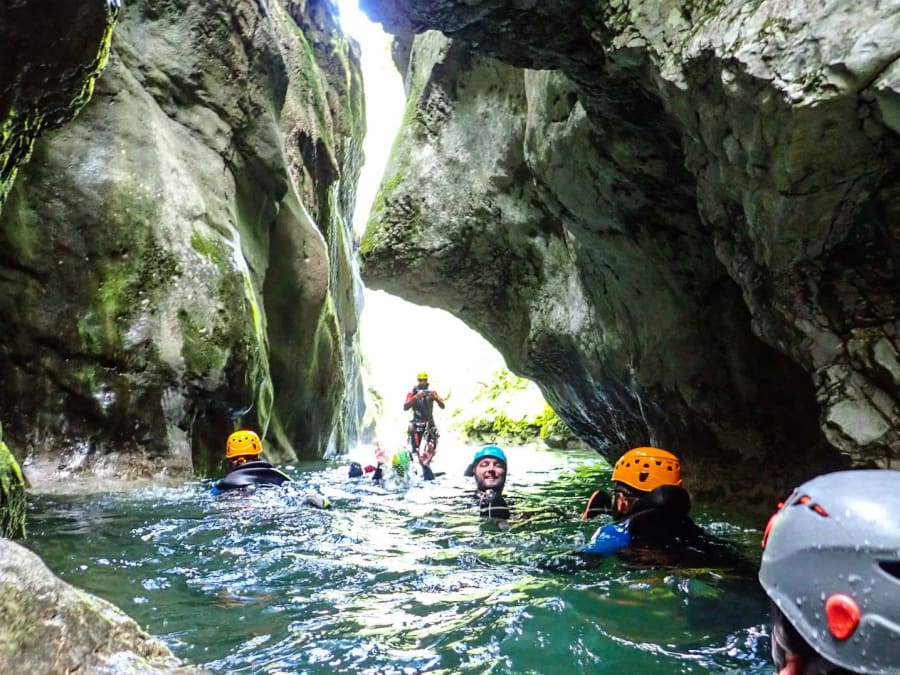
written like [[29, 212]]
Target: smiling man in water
[[489, 469]]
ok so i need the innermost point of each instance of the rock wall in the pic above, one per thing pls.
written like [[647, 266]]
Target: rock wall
[[680, 218], [49, 61], [176, 261]]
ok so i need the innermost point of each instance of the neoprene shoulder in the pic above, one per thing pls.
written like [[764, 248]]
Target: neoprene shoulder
[[251, 474]]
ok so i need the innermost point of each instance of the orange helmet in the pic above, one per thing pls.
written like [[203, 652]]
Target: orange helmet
[[243, 442], [646, 469]]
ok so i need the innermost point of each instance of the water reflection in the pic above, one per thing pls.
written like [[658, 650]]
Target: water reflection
[[400, 582]]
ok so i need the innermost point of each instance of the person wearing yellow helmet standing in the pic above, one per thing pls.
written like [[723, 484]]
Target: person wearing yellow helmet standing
[[649, 504], [421, 400]]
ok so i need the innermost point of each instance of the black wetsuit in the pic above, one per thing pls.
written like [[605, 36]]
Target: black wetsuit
[[251, 475], [491, 504], [423, 416], [657, 530]]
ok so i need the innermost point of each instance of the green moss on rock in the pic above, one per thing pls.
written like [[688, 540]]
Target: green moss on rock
[[12, 495], [124, 287]]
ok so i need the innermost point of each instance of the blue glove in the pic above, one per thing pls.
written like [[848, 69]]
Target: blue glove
[[608, 539]]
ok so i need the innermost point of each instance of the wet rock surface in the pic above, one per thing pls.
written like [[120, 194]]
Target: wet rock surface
[[680, 219], [51, 627]]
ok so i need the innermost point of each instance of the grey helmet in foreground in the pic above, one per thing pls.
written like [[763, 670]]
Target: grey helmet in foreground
[[831, 565]]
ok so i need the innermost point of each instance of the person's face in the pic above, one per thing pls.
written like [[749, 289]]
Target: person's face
[[490, 474], [235, 462], [423, 384]]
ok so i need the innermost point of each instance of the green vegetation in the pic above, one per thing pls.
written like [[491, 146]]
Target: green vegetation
[[509, 409]]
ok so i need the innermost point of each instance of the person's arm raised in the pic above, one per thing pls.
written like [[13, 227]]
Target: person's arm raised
[[437, 399]]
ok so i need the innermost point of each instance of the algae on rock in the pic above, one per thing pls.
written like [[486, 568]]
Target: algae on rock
[[12, 495]]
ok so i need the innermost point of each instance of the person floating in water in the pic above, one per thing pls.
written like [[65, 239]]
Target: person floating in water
[[400, 467], [421, 400], [248, 472], [831, 568], [649, 506], [489, 470]]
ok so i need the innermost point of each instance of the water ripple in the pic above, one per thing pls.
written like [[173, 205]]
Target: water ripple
[[403, 581]]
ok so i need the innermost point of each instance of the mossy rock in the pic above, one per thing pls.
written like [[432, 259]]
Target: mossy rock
[[12, 495]]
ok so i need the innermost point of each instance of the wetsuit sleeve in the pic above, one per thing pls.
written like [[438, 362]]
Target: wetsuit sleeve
[[407, 404], [608, 539], [252, 475]]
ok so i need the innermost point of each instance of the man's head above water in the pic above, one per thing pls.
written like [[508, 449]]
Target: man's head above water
[[241, 447], [640, 471], [489, 469]]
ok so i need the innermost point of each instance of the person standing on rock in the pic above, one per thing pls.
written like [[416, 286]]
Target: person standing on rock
[[421, 400]]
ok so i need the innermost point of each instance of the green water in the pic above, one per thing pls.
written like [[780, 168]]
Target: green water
[[401, 582]]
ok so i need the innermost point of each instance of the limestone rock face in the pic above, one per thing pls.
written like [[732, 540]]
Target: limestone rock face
[[52, 627], [49, 60], [681, 219], [176, 261]]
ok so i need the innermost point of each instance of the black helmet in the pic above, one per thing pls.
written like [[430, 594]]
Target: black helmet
[[831, 565]]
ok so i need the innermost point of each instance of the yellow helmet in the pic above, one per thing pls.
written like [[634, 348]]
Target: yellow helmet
[[243, 442], [646, 469], [422, 376]]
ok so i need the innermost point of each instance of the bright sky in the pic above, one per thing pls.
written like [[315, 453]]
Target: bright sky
[[399, 338]]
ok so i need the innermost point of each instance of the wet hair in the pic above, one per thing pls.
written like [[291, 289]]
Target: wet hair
[[785, 638]]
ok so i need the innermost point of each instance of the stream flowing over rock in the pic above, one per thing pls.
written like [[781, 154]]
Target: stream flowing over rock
[[681, 219], [178, 259]]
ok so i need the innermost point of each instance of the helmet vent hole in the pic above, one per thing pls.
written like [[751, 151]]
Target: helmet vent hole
[[643, 476]]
